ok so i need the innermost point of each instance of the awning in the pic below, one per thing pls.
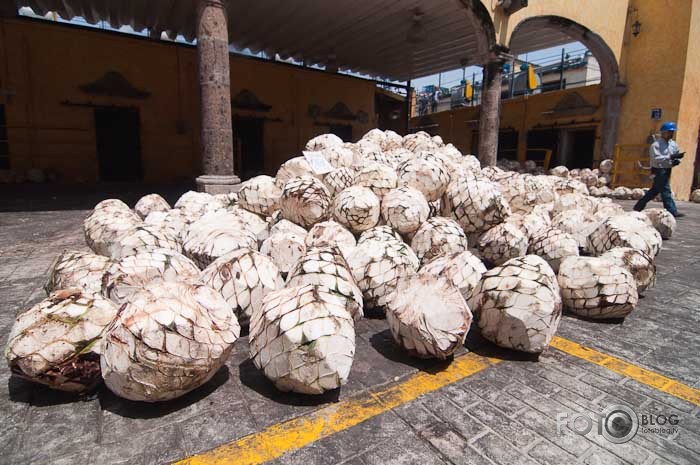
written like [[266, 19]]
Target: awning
[[362, 36]]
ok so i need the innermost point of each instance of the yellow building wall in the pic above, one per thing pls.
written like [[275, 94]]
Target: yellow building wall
[[606, 18], [660, 68], [43, 64], [522, 114]]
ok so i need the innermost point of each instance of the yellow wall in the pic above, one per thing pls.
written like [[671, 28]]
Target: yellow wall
[[660, 68], [604, 17], [43, 63], [522, 114]]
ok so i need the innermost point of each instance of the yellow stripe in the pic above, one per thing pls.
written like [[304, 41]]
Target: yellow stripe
[[629, 370], [299, 432]]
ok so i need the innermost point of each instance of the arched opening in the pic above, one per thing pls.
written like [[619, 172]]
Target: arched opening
[[543, 32]]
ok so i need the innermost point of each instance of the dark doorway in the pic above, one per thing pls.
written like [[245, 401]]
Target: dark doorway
[[117, 131], [582, 146], [248, 143], [541, 140], [4, 145], [344, 131], [508, 145]]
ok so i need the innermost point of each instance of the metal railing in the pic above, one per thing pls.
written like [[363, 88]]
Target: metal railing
[[629, 165]]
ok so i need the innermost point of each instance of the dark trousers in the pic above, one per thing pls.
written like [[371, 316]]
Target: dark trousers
[[662, 185]]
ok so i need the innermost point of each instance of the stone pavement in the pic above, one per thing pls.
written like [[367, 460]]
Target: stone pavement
[[505, 414]]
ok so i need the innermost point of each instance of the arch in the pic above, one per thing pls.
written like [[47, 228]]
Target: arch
[[564, 30], [481, 22]]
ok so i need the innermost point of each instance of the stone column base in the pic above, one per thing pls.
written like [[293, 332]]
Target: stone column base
[[212, 184]]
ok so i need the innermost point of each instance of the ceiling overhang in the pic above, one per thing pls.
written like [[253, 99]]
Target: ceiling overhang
[[361, 36]]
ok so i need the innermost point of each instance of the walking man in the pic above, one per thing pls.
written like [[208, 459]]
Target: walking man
[[664, 154]]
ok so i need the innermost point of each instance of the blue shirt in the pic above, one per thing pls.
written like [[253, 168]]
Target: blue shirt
[[660, 153]]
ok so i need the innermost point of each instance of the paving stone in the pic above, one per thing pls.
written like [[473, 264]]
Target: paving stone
[[366, 435], [547, 427], [602, 457], [459, 395], [498, 450], [547, 452], [690, 441], [402, 449], [668, 450], [450, 413], [498, 421], [494, 396], [614, 389], [453, 446], [214, 427], [504, 414], [416, 415]]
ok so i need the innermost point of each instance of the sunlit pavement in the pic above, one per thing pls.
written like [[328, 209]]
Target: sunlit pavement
[[506, 409]]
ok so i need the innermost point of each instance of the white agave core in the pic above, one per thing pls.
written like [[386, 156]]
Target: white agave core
[[377, 266], [662, 220], [463, 269], [77, 269], [259, 195], [501, 243], [378, 177], [173, 220], [131, 274], [476, 204], [150, 203], [338, 179], [554, 245], [285, 249], [105, 225], [426, 173], [303, 339], [56, 342], [596, 288], [428, 317], [305, 201], [356, 208], [142, 238], [325, 266], [624, 231], [243, 277], [405, 209], [518, 305], [641, 265], [169, 339], [330, 233], [438, 236]]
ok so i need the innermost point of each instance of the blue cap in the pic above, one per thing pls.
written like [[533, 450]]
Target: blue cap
[[669, 126]]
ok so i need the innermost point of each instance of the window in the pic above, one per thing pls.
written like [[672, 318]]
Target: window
[[4, 146]]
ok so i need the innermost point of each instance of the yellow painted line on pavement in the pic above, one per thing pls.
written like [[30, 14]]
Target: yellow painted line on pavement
[[639, 374], [294, 434]]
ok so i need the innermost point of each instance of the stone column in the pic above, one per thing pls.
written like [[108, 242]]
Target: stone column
[[612, 104], [489, 116], [215, 91]]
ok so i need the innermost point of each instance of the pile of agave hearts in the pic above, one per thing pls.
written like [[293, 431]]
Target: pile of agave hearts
[[402, 227]]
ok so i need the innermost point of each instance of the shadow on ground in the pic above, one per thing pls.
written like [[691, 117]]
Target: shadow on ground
[[384, 343], [54, 197], [254, 379], [144, 410]]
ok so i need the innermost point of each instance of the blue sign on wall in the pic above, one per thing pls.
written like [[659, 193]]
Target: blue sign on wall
[[656, 114]]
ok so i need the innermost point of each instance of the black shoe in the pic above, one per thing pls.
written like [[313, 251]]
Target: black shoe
[[679, 215]]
